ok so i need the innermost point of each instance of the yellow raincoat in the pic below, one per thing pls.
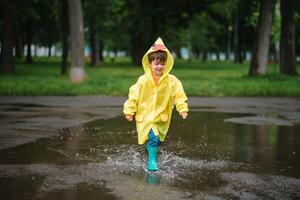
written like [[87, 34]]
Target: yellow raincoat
[[152, 104]]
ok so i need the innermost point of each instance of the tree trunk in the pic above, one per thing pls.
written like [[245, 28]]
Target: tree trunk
[[196, 53], [101, 48], [190, 50], [228, 50], [64, 37], [77, 41], [0, 55], [94, 44], [29, 36], [260, 56], [287, 40], [7, 62], [140, 37], [137, 50], [204, 56], [277, 52], [178, 52], [253, 61], [236, 43], [49, 50], [35, 51], [218, 55], [244, 55], [18, 47]]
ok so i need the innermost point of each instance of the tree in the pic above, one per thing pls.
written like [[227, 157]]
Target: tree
[[95, 60], [139, 28], [7, 63], [287, 40], [259, 58], [297, 29], [144, 23], [24, 10], [19, 47], [98, 19], [77, 41], [64, 22], [91, 12], [200, 34], [46, 21], [116, 31], [236, 30], [227, 15], [31, 14], [29, 38]]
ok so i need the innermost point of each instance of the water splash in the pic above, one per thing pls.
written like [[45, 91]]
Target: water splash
[[171, 166], [129, 160]]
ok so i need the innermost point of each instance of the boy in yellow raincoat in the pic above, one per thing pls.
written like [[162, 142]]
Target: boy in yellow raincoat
[[151, 100]]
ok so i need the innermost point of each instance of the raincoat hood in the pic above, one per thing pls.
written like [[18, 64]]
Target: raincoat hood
[[158, 45]]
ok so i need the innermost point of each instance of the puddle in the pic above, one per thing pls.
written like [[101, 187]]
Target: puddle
[[21, 106], [203, 157], [259, 120]]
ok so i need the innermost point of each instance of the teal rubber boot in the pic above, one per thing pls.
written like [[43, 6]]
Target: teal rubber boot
[[152, 157]]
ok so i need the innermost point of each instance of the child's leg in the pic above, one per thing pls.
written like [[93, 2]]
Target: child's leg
[[152, 149], [153, 139]]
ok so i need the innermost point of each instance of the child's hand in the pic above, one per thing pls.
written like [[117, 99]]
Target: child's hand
[[129, 117], [184, 115]]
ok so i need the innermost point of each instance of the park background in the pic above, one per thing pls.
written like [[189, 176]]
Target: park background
[[66, 67], [221, 48]]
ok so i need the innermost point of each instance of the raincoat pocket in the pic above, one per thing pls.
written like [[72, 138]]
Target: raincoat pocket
[[139, 118], [164, 117]]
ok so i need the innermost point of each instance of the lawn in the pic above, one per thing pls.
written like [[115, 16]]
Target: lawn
[[213, 78]]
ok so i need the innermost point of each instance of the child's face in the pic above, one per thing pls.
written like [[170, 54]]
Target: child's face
[[157, 67]]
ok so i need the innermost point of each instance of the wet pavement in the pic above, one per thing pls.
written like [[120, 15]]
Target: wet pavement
[[82, 148]]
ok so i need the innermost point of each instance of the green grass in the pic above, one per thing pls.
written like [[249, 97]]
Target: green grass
[[214, 78]]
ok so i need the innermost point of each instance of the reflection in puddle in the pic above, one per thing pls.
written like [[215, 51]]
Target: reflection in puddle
[[152, 178], [203, 157]]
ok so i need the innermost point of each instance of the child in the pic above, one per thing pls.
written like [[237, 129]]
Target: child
[[151, 100]]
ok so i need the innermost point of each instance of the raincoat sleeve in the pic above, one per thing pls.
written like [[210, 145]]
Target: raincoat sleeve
[[130, 105], [180, 97]]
